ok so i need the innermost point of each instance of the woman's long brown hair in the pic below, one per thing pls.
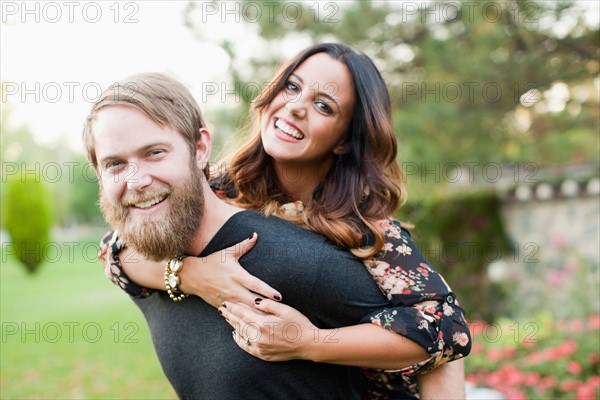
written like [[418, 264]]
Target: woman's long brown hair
[[363, 186]]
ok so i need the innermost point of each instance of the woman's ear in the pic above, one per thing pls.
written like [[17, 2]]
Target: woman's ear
[[341, 148]]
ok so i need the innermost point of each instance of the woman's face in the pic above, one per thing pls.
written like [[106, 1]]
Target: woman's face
[[306, 122]]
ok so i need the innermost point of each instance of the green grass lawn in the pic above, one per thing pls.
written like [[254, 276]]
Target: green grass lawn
[[67, 332]]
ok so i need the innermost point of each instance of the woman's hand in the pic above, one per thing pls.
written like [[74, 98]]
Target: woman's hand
[[270, 331], [276, 332], [215, 278], [219, 277]]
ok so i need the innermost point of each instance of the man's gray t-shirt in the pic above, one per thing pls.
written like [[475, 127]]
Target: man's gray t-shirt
[[325, 283]]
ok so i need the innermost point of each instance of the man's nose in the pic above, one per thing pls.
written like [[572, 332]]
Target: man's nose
[[137, 179]]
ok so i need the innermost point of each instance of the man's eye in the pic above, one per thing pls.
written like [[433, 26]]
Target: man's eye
[[155, 152], [113, 165]]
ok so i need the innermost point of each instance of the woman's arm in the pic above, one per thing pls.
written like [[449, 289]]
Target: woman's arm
[[214, 278], [425, 326], [444, 382], [276, 332]]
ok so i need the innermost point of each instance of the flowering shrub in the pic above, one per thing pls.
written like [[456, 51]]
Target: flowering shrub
[[539, 358]]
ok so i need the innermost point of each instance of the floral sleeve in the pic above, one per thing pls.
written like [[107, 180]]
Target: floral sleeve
[[424, 308], [115, 269]]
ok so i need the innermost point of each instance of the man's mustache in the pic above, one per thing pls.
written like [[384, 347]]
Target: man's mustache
[[131, 198]]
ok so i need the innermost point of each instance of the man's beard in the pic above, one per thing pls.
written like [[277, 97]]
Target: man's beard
[[163, 236]]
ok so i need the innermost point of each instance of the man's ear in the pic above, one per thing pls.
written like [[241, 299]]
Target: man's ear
[[203, 148]]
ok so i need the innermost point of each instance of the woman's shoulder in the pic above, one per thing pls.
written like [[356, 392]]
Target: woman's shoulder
[[393, 227]]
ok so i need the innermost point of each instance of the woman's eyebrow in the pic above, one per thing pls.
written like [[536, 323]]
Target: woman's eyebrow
[[324, 94]]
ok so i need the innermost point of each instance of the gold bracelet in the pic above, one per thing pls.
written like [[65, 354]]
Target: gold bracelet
[[172, 279]]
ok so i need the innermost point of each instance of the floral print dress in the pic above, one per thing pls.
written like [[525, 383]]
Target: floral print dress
[[422, 308]]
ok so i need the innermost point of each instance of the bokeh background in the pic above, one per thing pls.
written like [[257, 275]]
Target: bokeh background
[[496, 108]]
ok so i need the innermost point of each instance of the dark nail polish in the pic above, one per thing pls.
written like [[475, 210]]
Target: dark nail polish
[[277, 297], [224, 305], [257, 300], [220, 312]]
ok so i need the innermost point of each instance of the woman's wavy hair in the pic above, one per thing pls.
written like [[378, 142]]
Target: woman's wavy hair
[[363, 185]]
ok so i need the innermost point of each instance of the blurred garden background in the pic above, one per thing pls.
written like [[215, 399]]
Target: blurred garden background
[[496, 108]]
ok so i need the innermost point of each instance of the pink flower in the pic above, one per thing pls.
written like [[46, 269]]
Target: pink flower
[[532, 379], [509, 352], [577, 325], [571, 265], [586, 392], [558, 242], [574, 367], [594, 381], [512, 375], [428, 306], [555, 278], [569, 385], [404, 249], [476, 327], [460, 338], [594, 321], [494, 355], [476, 348], [515, 394], [566, 348], [548, 382], [561, 325], [535, 358], [385, 224], [494, 380]]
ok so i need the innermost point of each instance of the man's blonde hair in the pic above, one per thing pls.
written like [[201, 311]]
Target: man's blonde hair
[[165, 100]]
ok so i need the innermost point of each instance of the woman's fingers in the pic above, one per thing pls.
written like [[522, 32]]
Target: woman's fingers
[[244, 278], [270, 330], [270, 307], [241, 248], [242, 318], [256, 286]]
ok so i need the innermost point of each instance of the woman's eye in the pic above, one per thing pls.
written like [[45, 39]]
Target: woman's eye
[[291, 86], [324, 107]]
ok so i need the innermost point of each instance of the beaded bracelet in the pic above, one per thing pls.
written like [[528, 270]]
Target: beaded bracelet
[[172, 279]]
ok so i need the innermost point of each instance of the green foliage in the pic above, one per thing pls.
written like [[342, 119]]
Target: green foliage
[[72, 334], [27, 214], [537, 358], [461, 236], [478, 86], [83, 202], [565, 284], [71, 183]]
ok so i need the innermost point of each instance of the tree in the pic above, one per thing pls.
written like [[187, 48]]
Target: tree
[[472, 82], [83, 204], [27, 214]]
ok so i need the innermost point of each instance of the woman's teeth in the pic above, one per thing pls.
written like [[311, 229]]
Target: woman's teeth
[[282, 126]]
